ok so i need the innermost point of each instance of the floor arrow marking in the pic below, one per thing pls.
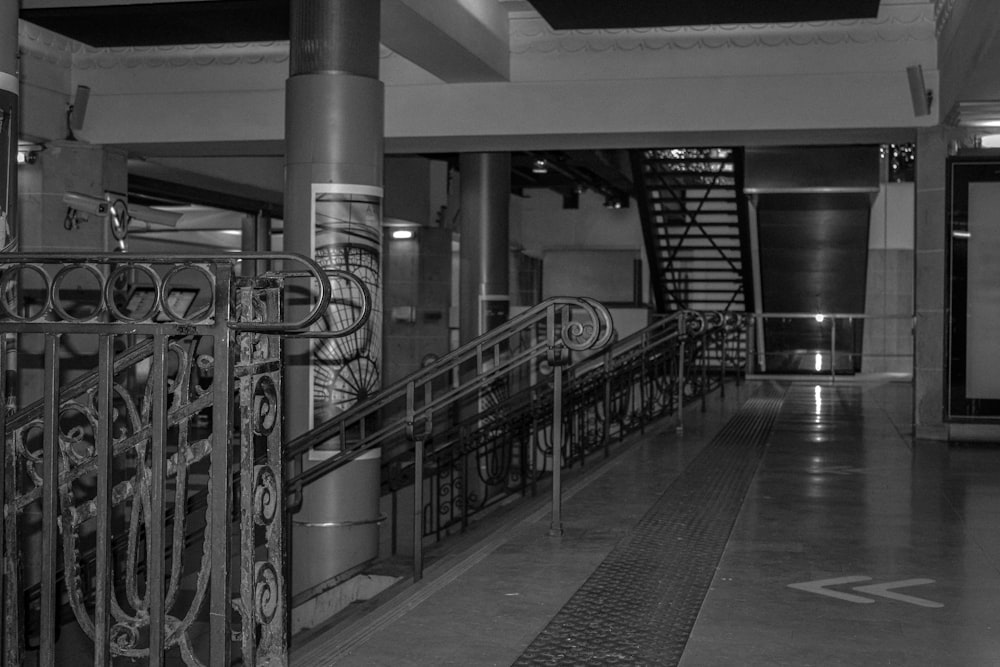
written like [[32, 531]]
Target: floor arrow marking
[[820, 587], [883, 590]]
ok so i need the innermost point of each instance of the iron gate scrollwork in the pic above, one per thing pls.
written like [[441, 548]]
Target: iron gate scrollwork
[[150, 428]]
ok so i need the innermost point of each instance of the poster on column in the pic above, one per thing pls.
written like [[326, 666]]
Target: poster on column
[[347, 369], [8, 181]]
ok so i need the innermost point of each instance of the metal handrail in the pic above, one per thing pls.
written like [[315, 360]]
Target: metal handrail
[[758, 357], [13, 262], [557, 344], [674, 352], [562, 336]]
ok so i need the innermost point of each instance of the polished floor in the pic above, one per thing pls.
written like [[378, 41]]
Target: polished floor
[[849, 544]]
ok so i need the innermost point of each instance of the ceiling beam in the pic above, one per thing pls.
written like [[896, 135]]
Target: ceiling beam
[[458, 41], [157, 182]]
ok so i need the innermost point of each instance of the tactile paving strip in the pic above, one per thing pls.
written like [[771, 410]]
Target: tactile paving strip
[[640, 604]]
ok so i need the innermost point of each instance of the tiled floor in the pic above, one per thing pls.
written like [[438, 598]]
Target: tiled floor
[[894, 545]]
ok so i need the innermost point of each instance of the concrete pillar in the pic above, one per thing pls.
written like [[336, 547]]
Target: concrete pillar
[[484, 296], [929, 269], [256, 237], [333, 200], [68, 166], [8, 123]]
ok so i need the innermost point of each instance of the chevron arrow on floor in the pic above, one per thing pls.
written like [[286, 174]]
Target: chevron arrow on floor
[[822, 587], [884, 590]]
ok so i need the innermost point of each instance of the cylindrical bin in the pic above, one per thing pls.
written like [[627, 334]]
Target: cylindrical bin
[[337, 529]]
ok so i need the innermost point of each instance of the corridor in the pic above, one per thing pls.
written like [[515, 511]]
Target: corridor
[[791, 523]]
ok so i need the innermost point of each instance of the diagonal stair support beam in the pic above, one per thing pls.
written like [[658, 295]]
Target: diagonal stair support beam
[[695, 227], [693, 221]]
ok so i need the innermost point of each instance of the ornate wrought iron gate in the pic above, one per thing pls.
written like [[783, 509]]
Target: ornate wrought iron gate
[[150, 429]]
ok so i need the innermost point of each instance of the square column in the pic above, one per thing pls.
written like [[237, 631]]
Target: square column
[[929, 266]]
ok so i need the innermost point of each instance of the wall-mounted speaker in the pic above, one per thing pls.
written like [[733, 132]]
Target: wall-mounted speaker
[[78, 110], [920, 96]]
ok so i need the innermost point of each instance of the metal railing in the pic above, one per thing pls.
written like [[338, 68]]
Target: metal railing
[[832, 344], [518, 406], [134, 485], [467, 385], [159, 383]]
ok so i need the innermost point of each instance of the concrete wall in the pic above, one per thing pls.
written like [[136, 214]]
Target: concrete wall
[[929, 277], [417, 298], [542, 227], [588, 251], [417, 271], [888, 342]]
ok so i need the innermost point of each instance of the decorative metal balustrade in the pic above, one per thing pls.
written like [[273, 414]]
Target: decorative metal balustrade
[[144, 501], [508, 412], [120, 485], [474, 384]]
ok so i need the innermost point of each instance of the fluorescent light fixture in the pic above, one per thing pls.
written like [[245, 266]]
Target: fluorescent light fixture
[[402, 234], [991, 141], [819, 361], [961, 234], [975, 113], [820, 317]]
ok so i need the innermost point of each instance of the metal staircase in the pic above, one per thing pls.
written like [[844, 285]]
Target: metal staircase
[[695, 226]]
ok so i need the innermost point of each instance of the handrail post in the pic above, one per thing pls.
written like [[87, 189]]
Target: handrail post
[[418, 481], [724, 337], [606, 431], [555, 526], [706, 339], [642, 392], [680, 383], [418, 509], [833, 349]]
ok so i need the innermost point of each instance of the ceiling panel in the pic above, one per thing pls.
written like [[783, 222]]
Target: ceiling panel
[[596, 14], [156, 24]]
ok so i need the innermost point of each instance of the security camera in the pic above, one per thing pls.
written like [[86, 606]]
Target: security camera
[[85, 203]]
